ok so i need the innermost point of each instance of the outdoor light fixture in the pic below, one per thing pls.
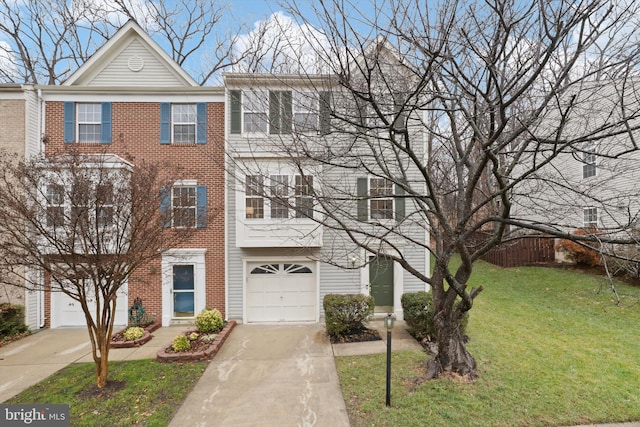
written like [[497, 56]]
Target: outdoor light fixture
[[389, 322]]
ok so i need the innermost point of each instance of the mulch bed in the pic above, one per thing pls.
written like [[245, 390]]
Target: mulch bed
[[200, 350], [361, 335], [118, 341]]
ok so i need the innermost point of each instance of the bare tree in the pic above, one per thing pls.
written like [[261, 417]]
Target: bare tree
[[46, 41], [81, 224], [470, 110]]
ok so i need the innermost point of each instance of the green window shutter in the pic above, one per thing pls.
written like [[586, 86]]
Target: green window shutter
[[325, 113], [287, 112], [69, 122], [201, 126], [400, 122], [399, 203], [165, 206], [201, 206], [236, 111], [274, 112], [363, 200], [105, 127], [165, 123]]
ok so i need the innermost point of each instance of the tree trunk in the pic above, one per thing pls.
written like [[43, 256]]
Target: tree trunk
[[102, 363], [452, 356]]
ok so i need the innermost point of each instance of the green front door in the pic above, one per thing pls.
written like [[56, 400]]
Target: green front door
[[381, 282]]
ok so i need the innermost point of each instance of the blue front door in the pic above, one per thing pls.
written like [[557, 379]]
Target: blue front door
[[183, 291]]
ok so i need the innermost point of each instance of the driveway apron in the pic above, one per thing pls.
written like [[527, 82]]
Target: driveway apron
[[268, 375]]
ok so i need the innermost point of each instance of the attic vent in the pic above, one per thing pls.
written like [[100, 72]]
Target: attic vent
[[135, 63]]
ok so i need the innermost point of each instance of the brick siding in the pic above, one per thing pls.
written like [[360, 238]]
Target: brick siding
[[136, 132]]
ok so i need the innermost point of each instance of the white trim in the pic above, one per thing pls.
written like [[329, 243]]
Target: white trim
[[111, 96], [183, 256]]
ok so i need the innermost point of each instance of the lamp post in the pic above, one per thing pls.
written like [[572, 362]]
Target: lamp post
[[388, 324]]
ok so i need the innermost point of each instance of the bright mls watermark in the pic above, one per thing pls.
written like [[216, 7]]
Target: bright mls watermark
[[34, 415]]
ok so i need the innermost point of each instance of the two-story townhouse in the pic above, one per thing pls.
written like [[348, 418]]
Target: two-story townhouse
[[132, 101], [20, 136], [284, 252]]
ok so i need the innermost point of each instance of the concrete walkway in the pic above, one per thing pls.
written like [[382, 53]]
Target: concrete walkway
[[268, 375]]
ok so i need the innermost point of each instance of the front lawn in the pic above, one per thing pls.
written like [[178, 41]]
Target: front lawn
[[140, 392], [550, 351]]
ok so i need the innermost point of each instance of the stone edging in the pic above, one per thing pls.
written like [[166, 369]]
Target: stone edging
[[164, 356], [140, 341]]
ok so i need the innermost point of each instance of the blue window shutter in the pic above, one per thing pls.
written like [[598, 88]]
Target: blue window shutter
[[105, 128], [236, 111], [165, 123], [165, 206], [69, 122], [363, 199], [201, 206], [201, 131]]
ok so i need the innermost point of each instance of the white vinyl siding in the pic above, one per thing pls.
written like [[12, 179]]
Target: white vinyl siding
[[153, 73]]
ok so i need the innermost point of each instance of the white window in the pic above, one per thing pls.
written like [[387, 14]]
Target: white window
[[305, 111], [255, 105], [183, 206], [289, 196], [589, 168], [89, 122], [88, 204], [104, 204], [304, 196], [184, 120], [279, 196], [55, 205], [381, 198], [254, 202], [590, 217]]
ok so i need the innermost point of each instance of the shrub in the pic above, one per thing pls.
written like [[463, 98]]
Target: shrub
[[181, 343], [133, 333], [346, 313], [418, 309], [579, 253], [418, 313], [193, 336], [11, 320], [209, 320]]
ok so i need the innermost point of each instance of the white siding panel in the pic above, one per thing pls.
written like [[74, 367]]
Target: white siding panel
[[33, 132], [153, 73]]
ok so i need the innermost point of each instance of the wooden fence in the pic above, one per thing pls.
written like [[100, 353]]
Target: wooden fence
[[521, 252]]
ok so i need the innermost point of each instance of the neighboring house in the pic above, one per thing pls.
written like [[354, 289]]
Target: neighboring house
[[281, 261], [20, 135], [593, 185], [131, 99]]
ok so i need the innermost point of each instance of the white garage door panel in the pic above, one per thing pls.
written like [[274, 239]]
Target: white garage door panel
[[281, 292], [65, 311]]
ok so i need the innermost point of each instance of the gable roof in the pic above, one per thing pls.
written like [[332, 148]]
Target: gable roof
[[130, 58]]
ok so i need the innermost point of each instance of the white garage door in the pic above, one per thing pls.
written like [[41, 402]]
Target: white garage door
[[281, 292], [66, 311]]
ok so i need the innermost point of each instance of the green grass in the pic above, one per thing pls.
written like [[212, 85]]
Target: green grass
[[152, 392], [551, 351]]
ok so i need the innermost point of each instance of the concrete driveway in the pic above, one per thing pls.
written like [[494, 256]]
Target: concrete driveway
[[268, 375]]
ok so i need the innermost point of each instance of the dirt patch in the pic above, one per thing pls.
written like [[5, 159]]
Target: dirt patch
[[111, 387]]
